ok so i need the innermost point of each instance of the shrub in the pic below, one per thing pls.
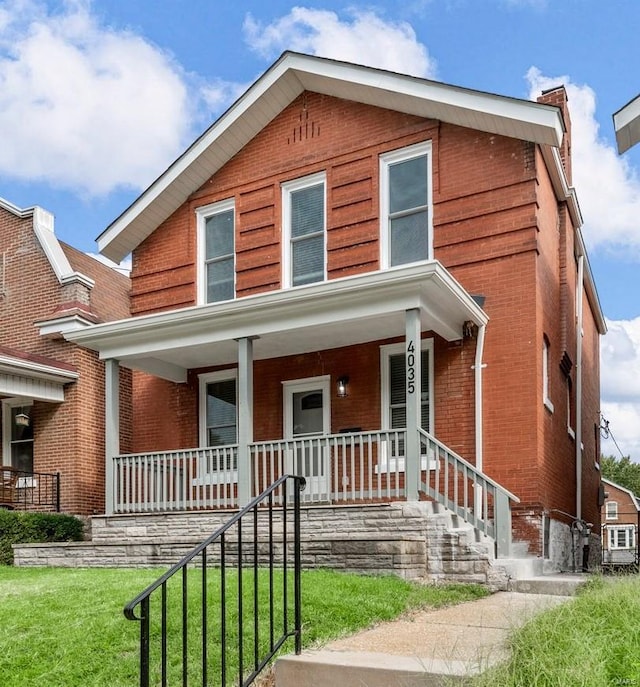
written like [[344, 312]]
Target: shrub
[[27, 528]]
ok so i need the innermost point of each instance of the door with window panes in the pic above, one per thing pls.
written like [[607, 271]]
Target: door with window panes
[[307, 420]]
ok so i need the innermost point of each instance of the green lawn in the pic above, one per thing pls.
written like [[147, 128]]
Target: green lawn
[[592, 641], [65, 627]]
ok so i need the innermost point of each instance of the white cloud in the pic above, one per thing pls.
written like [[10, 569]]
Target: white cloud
[[84, 106], [608, 188], [620, 391], [363, 38]]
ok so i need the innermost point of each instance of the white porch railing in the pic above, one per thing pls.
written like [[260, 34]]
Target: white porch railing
[[340, 468], [190, 479], [466, 491]]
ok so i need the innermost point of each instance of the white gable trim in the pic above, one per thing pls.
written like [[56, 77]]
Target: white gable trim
[[626, 122], [294, 73]]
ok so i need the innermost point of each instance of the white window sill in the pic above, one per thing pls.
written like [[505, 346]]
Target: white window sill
[[571, 433], [548, 405]]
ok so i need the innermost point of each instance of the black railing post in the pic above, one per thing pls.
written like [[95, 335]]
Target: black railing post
[[297, 488], [57, 482], [144, 643]]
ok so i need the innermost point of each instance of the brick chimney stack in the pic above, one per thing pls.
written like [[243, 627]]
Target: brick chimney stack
[[558, 96]]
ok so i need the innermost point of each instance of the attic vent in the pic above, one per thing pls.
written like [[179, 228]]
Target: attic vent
[[305, 129]]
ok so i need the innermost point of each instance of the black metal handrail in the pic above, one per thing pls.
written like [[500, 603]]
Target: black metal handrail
[[25, 490], [160, 633]]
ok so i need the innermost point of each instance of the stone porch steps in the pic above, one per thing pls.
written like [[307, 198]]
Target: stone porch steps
[[420, 540]]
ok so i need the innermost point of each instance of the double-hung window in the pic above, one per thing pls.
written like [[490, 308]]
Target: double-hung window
[[219, 423], [216, 242], [303, 222], [393, 368], [405, 205]]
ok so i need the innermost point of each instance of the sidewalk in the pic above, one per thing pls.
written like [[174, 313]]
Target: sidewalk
[[438, 647]]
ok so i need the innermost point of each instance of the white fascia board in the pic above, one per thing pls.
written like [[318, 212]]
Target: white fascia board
[[16, 386], [626, 123], [62, 325], [27, 368], [344, 299], [279, 86]]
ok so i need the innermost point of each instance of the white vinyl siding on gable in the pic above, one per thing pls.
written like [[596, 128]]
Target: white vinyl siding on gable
[[216, 252], [303, 231], [406, 230]]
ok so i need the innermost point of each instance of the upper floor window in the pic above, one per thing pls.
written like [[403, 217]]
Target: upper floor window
[[303, 231], [612, 510], [216, 250], [405, 200]]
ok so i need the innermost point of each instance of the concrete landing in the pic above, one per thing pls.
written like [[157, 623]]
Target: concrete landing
[[440, 647], [560, 584]]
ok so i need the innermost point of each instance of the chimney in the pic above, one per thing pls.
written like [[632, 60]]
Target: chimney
[[558, 96]]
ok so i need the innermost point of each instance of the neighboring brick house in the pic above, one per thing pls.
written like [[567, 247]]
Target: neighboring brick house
[[285, 268], [51, 390], [620, 520]]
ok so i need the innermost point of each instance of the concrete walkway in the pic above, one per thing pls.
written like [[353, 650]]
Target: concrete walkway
[[439, 647]]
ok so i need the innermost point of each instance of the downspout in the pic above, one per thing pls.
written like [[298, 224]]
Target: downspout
[[478, 412], [579, 295], [478, 391]]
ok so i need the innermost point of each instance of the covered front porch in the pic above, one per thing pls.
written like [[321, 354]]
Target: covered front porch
[[394, 456]]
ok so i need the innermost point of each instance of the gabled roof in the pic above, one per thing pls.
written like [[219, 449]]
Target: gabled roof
[[632, 496], [626, 122], [288, 77]]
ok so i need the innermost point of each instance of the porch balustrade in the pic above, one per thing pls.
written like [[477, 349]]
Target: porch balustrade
[[354, 467]]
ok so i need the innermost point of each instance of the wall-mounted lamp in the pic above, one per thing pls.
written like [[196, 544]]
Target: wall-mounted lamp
[[22, 420], [342, 386]]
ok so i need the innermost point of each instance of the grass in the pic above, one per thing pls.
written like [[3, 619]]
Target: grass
[[65, 627], [592, 641]]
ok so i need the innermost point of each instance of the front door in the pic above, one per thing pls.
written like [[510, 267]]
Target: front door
[[307, 419]]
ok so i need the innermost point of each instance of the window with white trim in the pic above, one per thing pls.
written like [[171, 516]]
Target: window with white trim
[[216, 252], [18, 435], [219, 422], [406, 232], [304, 225], [621, 537], [393, 393], [546, 346], [612, 510]]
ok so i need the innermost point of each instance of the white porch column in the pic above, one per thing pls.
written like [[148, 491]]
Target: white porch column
[[414, 396], [245, 418], [111, 428]]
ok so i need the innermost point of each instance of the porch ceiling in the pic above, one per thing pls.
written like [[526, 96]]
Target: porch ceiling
[[332, 314]]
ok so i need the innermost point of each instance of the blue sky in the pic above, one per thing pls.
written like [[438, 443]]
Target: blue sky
[[97, 98]]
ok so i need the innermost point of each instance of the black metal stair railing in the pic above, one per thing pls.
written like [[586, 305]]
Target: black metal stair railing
[[28, 490], [220, 615]]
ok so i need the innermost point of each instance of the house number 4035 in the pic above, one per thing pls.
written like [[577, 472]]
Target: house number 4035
[[411, 368]]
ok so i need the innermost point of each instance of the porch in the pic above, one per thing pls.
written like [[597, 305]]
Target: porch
[[340, 469]]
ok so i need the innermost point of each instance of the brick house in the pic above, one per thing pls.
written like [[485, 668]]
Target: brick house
[[51, 390], [620, 519], [371, 279]]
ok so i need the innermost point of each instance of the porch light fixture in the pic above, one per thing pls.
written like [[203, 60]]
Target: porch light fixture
[[342, 386], [22, 420]]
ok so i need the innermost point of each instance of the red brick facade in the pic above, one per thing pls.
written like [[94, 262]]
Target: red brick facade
[[69, 435]]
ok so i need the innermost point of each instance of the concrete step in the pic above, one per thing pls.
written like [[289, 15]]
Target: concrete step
[[355, 669], [559, 584]]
